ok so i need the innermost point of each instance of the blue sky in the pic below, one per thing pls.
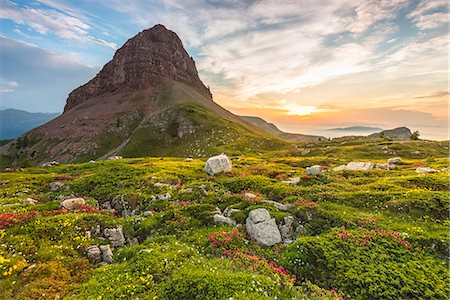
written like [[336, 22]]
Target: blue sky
[[304, 65]]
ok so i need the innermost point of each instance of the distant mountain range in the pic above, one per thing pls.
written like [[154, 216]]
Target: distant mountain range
[[14, 122], [357, 129]]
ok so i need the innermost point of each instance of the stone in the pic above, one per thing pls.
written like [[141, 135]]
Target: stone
[[147, 213], [30, 201], [293, 181], [279, 206], [396, 134], [223, 220], [340, 168], [115, 157], [187, 191], [92, 161], [73, 203], [115, 236], [50, 163], [300, 231], [161, 185], [218, 164], [189, 159], [314, 170], [107, 255], [262, 228], [385, 166], [133, 241], [94, 253], [287, 229], [426, 170], [56, 186], [165, 196], [445, 169], [359, 166], [228, 212], [394, 160], [250, 196]]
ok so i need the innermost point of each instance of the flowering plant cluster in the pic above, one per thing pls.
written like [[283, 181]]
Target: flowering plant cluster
[[305, 203], [10, 219], [368, 235], [229, 244]]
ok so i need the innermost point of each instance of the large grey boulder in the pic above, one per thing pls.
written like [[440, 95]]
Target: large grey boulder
[[223, 220], [359, 166], [115, 236], [262, 228], [426, 170], [394, 160], [72, 203], [217, 164], [107, 255], [94, 253], [314, 170]]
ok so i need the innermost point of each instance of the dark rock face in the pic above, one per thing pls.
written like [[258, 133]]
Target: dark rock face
[[142, 62]]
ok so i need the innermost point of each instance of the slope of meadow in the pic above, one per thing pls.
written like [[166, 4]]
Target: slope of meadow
[[365, 234]]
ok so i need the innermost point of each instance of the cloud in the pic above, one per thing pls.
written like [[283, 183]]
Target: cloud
[[45, 77], [430, 14], [45, 21]]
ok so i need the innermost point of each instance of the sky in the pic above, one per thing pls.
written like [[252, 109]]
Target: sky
[[305, 65]]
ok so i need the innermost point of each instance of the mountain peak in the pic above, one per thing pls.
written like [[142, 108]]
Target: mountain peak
[[144, 61]]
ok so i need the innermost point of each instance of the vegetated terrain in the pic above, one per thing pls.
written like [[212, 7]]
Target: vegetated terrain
[[379, 234]]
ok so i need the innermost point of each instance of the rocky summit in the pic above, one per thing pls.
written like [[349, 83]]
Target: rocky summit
[[147, 101]]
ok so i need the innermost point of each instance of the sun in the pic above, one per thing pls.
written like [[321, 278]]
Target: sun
[[299, 110]]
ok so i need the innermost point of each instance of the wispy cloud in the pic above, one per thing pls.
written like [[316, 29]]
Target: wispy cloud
[[430, 14], [46, 21]]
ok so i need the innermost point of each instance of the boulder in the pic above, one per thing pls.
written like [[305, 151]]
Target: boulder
[[94, 253], [147, 213], [223, 220], [287, 229], [115, 236], [314, 170], [426, 170], [359, 166], [340, 168], [293, 181], [397, 134], [107, 255], [31, 201], [217, 164], [385, 166], [394, 160], [250, 196], [72, 203], [262, 228]]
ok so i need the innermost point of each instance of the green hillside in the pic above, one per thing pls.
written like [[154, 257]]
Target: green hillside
[[379, 234]]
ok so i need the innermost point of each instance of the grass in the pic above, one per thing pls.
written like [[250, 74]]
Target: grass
[[42, 253]]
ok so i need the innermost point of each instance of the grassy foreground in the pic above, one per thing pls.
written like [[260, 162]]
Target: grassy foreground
[[367, 234]]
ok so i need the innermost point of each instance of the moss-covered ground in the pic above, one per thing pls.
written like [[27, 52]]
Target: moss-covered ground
[[367, 234]]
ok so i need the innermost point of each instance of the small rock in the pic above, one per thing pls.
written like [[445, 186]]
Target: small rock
[[133, 241], [340, 168], [218, 164], [189, 159], [115, 157], [262, 228], [50, 163], [359, 166], [250, 196], [107, 255], [147, 213], [161, 185], [56, 186], [72, 203], [385, 166], [115, 235], [223, 220], [187, 191], [426, 170], [165, 196], [93, 253], [394, 160], [293, 181], [314, 170], [228, 212], [31, 201]]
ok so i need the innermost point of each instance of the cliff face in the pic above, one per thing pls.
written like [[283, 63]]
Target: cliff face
[[142, 62]]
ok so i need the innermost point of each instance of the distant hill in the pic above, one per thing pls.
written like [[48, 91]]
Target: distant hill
[[272, 129], [357, 129], [14, 122]]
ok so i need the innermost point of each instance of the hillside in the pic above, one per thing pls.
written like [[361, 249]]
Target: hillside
[[347, 234], [273, 129], [147, 101], [14, 122]]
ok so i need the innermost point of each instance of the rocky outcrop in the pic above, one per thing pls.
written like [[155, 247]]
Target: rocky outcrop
[[262, 228], [115, 236], [218, 164], [140, 63], [397, 134]]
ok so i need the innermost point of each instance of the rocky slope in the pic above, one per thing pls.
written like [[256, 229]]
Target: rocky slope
[[148, 100]]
